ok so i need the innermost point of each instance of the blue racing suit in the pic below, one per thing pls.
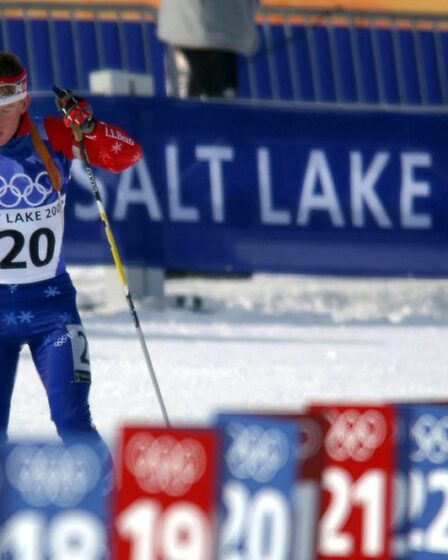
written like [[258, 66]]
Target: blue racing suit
[[37, 298]]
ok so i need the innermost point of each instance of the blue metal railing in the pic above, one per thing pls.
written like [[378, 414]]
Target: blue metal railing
[[342, 59]]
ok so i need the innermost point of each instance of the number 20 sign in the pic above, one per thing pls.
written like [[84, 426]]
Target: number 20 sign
[[356, 482], [165, 499], [260, 463]]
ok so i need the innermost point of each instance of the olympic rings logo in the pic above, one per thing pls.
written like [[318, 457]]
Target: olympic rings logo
[[53, 475], [256, 453], [22, 188], [311, 438], [430, 434], [164, 464], [63, 339], [355, 435]]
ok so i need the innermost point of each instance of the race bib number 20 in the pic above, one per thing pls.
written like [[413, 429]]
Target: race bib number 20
[[30, 242]]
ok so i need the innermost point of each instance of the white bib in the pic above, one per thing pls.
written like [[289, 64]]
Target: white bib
[[30, 242]]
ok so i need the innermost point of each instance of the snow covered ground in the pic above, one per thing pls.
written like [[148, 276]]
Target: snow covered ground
[[262, 342]]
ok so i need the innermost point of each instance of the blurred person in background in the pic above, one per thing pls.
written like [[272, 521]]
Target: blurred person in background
[[37, 298], [206, 37]]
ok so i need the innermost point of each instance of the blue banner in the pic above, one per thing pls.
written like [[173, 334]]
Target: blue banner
[[243, 188]]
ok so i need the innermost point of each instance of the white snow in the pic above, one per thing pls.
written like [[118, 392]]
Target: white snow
[[265, 342]]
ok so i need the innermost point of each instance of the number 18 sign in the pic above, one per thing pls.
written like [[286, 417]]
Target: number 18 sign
[[165, 501], [53, 500]]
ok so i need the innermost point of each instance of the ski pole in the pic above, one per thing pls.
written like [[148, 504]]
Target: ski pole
[[118, 264]]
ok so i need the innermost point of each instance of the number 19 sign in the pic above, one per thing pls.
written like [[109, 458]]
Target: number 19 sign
[[357, 482], [165, 500]]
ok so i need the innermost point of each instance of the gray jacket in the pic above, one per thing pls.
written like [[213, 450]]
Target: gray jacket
[[220, 24]]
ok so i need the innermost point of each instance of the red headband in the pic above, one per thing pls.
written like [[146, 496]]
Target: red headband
[[13, 79]]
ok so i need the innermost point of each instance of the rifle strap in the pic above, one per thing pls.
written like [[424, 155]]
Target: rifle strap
[[47, 160]]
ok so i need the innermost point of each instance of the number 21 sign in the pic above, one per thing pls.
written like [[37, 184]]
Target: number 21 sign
[[357, 474]]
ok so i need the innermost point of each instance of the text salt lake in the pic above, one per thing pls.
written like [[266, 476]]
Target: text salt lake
[[315, 187]]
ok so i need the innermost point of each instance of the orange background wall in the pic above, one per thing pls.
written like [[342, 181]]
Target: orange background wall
[[420, 6]]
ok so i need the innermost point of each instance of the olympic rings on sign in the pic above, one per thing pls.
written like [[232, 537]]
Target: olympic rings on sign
[[311, 438], [355, 435], [165, 464], [430, 435], [255, 452], [53, 475]]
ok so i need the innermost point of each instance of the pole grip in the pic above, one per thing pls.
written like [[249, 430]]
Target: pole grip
[[58, 91]]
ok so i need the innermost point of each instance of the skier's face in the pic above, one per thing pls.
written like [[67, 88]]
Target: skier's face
[[10, 118]]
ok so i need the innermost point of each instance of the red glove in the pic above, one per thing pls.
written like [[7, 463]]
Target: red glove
[[76, 112]]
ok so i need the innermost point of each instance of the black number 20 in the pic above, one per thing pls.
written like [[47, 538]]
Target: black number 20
[[9, 261]]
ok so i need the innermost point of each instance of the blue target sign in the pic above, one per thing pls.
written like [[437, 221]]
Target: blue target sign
[[53, 501], [428, 483], [260, 465]]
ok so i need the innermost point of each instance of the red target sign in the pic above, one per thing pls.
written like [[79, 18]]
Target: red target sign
[[356, 482], [164, 505]]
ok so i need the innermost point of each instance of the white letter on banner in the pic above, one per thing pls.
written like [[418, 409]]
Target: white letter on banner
[[362, 189], [215, 155], [86, 212], [145, 195], [178, 213], [318, 169], [410, 189], [268, 214]]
